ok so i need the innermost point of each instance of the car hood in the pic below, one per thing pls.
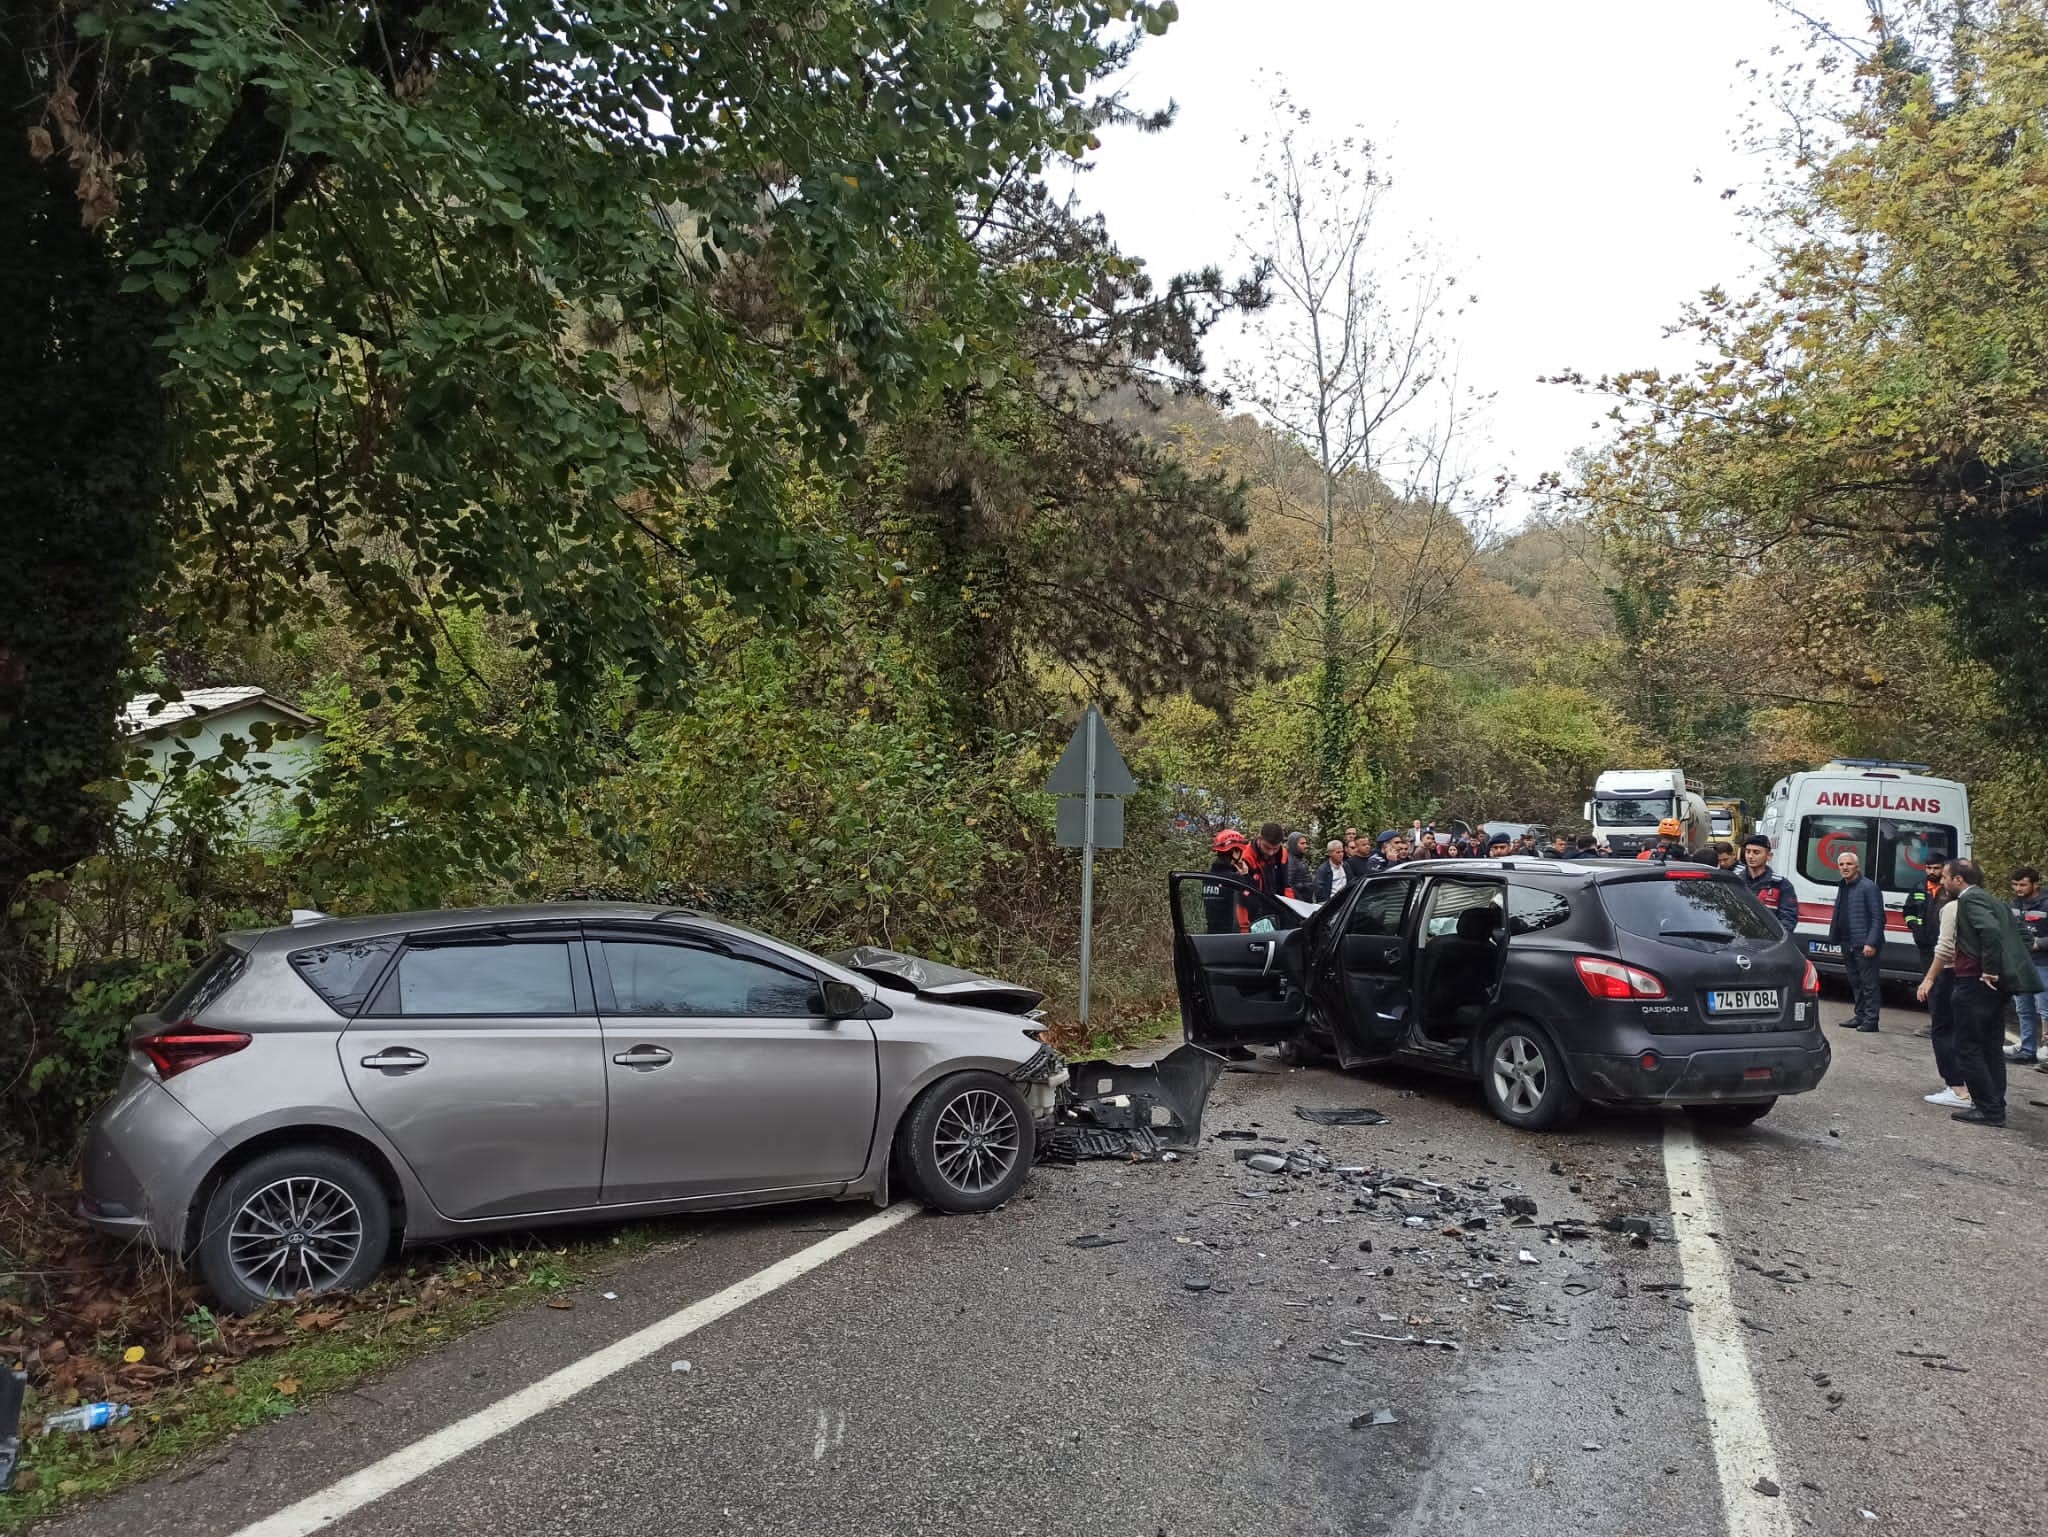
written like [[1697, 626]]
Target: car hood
[[938, 982]]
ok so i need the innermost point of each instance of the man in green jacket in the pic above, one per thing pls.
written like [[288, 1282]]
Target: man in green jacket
[[1992, 963]]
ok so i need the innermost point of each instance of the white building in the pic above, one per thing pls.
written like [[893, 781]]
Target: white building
[[156, 728]]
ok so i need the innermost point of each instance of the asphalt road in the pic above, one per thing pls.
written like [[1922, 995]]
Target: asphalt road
[[1860, 1270]]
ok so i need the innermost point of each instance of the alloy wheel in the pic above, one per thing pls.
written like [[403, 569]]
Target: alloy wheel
[[1521, 1074], [295, 1234], [976, 1140]]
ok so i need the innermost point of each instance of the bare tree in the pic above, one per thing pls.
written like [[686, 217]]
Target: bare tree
[[1354, 366]]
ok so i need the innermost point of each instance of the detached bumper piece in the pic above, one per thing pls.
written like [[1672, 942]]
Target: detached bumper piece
[[1131, 1113]]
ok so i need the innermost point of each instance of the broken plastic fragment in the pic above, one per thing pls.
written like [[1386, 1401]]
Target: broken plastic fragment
[[1381, 1416], [1357, 1116]]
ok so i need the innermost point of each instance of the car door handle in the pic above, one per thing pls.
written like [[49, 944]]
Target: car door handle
[[645, 1057], [398, 1059], [1272, 948]]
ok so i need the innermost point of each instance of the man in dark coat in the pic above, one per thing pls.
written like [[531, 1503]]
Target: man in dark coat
[[1858, 927]]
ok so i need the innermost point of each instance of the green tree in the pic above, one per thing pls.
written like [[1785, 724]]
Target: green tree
[[515, 310]]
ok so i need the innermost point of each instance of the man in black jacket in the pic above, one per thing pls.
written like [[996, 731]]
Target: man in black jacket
[[1333, 875], [1858, 927]]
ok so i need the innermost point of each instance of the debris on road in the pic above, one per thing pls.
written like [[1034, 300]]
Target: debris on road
[[679, 1366], [1094, 1241], [1136, 1112], [1766, 1488], [1526, 1257], [1360, 1116], [1381, 1416]]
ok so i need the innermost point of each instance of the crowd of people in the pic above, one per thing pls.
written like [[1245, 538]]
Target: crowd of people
[[1280, 864]]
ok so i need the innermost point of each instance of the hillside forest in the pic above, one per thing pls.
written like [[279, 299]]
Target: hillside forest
[[706, 455]]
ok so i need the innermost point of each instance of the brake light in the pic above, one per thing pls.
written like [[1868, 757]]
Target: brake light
[[179, 1048], [1689, 875], [1611, 979], [1810, 983]]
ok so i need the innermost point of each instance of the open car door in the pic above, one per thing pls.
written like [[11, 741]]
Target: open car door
[[1237, 959], [1365, 979]]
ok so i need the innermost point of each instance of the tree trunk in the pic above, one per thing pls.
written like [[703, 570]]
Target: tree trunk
[[82, 435]]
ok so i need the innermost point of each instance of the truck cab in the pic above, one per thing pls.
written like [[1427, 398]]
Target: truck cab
[[1628, 805]]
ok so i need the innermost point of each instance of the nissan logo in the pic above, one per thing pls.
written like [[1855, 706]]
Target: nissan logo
[[1742, 961]]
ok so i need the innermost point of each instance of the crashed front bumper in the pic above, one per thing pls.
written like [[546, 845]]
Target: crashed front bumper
[[1042, 1079], [1132, 1111], [1705, 1076]]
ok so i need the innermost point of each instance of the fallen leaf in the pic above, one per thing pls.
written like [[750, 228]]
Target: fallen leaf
[[286, 1385], [325, 1319], [563, 1303], [133, 1354]]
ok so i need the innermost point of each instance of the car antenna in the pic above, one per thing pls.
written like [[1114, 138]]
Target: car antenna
[[301, 916]]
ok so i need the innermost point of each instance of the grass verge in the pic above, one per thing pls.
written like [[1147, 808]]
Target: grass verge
[[215, 1376]]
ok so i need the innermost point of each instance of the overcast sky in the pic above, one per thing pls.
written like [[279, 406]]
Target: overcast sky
[[1568, 159]]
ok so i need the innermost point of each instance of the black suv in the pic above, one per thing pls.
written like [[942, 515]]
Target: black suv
[[1551, 982]]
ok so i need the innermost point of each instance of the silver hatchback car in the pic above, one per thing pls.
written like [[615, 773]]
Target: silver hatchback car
[[315, 1095]]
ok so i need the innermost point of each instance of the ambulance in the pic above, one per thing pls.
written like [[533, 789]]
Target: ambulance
[[1896, 817]]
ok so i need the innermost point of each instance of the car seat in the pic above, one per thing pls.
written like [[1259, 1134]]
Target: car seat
[[1462, 968]]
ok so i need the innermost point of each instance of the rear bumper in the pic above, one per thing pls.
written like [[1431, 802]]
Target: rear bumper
[[1693, 1071], [144, 1159]]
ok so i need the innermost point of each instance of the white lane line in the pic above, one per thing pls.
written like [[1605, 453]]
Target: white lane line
[[1735, 1415], [350, 1494]]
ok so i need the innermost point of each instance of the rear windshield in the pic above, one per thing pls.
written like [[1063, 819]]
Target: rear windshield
[[200, 991], [1691, 907], [344, 974]]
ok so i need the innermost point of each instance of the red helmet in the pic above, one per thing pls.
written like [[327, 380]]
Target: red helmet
[[1230, 838]]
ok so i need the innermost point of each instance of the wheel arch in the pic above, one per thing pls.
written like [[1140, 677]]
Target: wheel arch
[[313, 1134]]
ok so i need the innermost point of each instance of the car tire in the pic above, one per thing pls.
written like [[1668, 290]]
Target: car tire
[[1522, 1075], [966, 1144], [1300, 1052], [342, 1232], [1745, 1113]]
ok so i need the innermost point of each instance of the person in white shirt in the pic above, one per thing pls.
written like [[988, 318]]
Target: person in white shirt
[[1331, 877]]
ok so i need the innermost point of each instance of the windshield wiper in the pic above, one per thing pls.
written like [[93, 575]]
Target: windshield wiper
[[1720, 935]]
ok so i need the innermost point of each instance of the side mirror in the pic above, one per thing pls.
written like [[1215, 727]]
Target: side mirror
[[844, 1001], [1586, 812]]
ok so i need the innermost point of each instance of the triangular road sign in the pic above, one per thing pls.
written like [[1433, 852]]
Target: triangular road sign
[[1112, 776]]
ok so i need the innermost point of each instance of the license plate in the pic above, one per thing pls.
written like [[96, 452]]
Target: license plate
[[1822, 947], [1749, 1000]]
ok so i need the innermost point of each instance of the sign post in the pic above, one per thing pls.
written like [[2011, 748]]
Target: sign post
[[1090, 780]]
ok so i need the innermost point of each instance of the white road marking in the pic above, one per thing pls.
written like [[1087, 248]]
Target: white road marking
[[1735, 1416], [348, 1495], [824, 1437]]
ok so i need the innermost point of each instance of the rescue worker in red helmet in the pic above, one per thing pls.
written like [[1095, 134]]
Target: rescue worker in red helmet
[[1219, 901]]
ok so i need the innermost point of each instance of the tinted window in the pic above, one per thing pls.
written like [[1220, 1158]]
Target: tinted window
[[1380, 908], [1695, 907], [486, 979], [200, 991], [1531, 908], [651, 978], [344, 974], [1896, 851]]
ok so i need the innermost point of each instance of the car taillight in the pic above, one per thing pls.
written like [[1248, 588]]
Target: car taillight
[[1689, 875], [1810, 983], [1611, 979], [178, 1048]]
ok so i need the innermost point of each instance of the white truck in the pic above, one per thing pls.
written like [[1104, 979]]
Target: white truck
[[1630, 805]]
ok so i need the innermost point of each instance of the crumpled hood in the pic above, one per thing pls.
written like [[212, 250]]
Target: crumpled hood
[[938, 982]]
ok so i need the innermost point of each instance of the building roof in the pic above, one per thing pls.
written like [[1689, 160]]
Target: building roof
[[137, 717]]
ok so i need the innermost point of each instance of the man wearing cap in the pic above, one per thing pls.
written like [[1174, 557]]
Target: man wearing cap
[[1765, 884]]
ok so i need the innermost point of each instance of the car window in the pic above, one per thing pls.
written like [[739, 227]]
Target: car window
[[689, 980], [519, 978], [1450, 898], [1896, 851], [1380, 908], [200, 991], [1532, 908], [1694, 907], [343, 974]]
